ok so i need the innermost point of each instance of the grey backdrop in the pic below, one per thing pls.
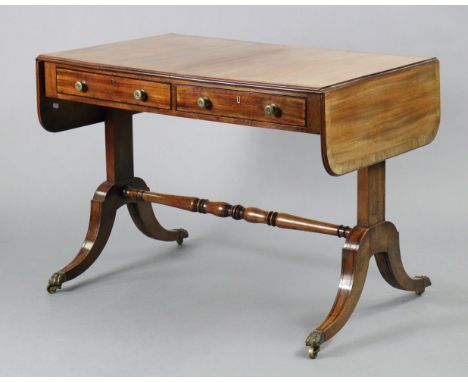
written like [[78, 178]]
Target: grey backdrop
[[237, 299]]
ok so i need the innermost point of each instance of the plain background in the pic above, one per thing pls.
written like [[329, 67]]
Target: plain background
[[235, 299]]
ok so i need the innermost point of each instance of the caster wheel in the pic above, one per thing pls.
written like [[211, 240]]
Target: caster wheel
[[313, 352]]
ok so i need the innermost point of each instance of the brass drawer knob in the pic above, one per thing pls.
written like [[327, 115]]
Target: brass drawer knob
[[81, 86], [272, 109], [204, 103], [140, 95]]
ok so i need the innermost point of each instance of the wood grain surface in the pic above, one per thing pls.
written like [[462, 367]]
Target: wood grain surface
[[236, 61], [238, 212], [245, 105], [369, 121], [114, 88], [367, 107]]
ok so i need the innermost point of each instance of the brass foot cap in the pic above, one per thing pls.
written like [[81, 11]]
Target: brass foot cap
[[426, 283], [183, 234], [313, 341], [55, 282]]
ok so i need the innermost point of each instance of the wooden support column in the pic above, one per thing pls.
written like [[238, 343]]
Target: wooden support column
[[371, 195], [119, 145]]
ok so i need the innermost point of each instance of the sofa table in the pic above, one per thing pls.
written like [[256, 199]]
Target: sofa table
[[365, 107]]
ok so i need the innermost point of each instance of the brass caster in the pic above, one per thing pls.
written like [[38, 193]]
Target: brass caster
[[52, 289], [55, 282], [427, 282], [313, 352], [315, 339], [183, 234]]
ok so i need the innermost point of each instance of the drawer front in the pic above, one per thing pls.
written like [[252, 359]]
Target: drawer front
[[241, 104], [114, 88]]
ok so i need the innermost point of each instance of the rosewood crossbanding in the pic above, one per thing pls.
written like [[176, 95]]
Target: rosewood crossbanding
[[365, 107]]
